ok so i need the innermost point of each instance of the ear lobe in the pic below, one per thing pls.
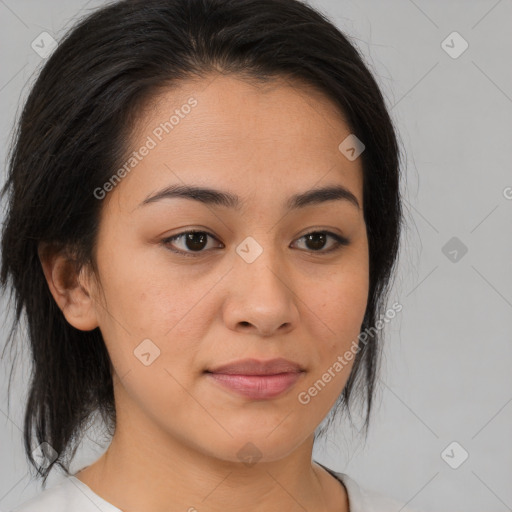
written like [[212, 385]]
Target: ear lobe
[[74, 300]]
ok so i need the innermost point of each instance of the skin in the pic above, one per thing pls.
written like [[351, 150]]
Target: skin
[[178, 433]]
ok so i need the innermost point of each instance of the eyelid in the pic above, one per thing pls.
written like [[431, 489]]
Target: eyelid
[[340, 240]]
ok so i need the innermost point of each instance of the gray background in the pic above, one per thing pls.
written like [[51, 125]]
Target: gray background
[[446, 373]]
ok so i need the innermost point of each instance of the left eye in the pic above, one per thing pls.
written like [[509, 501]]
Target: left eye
[[196, 241], [317, 239]]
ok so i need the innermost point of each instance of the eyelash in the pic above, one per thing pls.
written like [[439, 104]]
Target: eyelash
[[340, 242]]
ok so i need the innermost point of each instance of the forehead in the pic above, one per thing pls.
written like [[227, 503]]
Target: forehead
[[256, 139]]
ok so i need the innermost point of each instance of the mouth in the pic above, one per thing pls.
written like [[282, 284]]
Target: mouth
[[257, 387], [257, 380]]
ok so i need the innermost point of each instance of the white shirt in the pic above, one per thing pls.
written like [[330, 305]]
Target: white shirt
[[72, 495]]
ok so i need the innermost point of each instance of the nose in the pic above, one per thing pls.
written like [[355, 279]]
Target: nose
[[261, 298]]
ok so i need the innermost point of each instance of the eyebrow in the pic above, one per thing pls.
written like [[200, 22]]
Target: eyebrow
[[212, 196]]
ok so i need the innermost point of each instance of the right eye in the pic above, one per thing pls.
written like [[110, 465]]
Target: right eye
[[193, 242]]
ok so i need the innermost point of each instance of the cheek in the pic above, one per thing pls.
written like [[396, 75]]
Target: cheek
[[148, 318], [348, 305], [153, 324], [154, 346], [341, 305], [340, 308], [150, 296]]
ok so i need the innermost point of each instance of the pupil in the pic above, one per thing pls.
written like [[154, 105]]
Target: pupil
[[196, 240], [318, 240]]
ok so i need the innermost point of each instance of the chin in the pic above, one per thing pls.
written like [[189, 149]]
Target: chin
[[255, 446]]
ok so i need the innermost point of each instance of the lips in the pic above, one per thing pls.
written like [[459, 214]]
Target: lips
[[256, 367], [257, 380]]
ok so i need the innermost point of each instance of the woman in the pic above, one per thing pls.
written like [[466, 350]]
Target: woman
[[203, 221]]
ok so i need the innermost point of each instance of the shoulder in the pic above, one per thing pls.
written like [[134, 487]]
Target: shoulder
[[365, 500], [54, 498], [68, 495]]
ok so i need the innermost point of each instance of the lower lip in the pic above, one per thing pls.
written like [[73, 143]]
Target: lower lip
[[257, 387]]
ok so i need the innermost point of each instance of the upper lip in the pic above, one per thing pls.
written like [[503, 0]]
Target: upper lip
[[257, 367]]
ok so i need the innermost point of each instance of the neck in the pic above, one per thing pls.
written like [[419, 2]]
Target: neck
[[140, 472]]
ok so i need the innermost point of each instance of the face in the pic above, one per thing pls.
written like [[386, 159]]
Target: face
[[263, 277]]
